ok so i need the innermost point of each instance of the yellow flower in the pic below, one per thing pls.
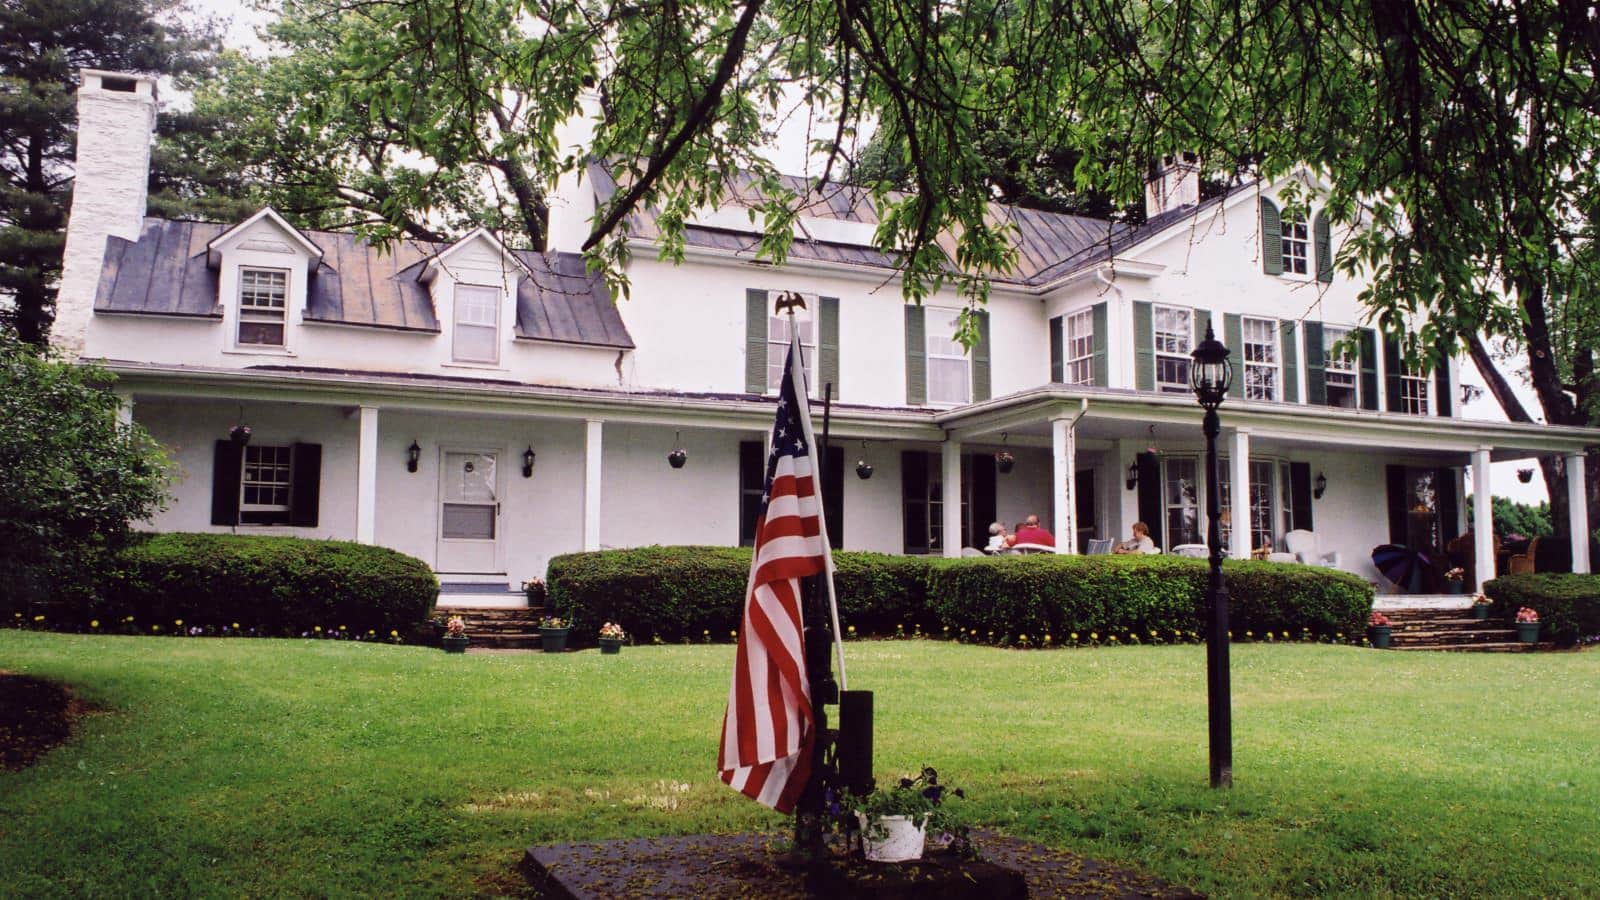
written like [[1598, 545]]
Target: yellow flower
[[94, 623], [178, 622], [734, 635], [1074, 635], [236, 627], [1022, 637], [1094, 635], [316, 628], [155, 627], [852, 629], [393, 633], [38, 618], [341, 628], [1047, 639]]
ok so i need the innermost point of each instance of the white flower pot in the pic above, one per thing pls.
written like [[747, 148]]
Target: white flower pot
[[903, 840]]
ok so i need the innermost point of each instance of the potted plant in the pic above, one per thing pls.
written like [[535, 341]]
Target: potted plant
[[1528, 625], [1379, 627], [553, 633], [534, 589], [611, 638], [1480, 607], [455, 636], [1453, 580], [894, 823]]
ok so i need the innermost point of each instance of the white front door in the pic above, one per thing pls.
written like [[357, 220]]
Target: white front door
[[469, 512]]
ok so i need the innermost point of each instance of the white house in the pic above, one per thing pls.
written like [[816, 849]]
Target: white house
[[485, 408]]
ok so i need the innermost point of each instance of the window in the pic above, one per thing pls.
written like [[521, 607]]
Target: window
[[1296, 244], [263, 303], [1181, 497], [266, 480], [1263, 524], [1413, 393], [923, 498], [477, 324], [778, 345], [1285, 498], [1080, 348], [1339, 370], [949, 371], [1260, 359], [1174, 328]]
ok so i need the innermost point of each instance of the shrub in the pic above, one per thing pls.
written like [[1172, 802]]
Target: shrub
[[1568, 605], [276, 585]]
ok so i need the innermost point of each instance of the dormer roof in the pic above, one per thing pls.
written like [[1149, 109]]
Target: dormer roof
[[236, 236], [436, 263]]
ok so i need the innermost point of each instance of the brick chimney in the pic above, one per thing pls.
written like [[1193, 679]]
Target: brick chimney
[[116, 116], [1174, 184]]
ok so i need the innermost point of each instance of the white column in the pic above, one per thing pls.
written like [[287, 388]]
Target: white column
[[1063, 518], [591, 484], [1239, 476], [124, 408], [1578, 511], [367, 477], [950, 494], [1482, 519]]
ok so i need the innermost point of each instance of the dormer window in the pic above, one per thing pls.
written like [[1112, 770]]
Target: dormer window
[[477, 324], [263, 305]]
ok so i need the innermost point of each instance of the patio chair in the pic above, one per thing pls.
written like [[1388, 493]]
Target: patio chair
[[1100, 546], [1192, 551], [972, 551], [1525, 563], [1032, 548], [1307, 548]]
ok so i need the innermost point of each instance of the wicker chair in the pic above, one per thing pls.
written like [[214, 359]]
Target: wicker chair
[[1523, 563]]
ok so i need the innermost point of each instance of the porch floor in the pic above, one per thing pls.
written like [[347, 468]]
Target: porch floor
[[1386, 602]]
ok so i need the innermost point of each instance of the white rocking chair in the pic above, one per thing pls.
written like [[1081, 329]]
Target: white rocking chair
[[1307, 548]]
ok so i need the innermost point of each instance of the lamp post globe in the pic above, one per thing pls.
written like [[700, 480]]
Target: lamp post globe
[[1211, 375]]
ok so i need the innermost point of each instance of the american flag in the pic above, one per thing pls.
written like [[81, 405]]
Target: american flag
[[767, 732]]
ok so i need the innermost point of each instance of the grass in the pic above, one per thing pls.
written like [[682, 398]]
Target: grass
[[257, 767]]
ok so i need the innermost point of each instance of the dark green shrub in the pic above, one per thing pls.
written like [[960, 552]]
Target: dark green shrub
[[1568, 605], [276, 585]]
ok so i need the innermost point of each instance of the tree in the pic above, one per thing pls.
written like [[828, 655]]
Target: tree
[[75, 476], [43, 44]]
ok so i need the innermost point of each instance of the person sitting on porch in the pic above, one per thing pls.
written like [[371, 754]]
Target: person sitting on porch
[[1029, 532], [997, 538], [1139, 543]]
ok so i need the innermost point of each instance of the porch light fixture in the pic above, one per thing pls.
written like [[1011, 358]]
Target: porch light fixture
[[1004, 462], [413, 453], [240, 435], [1211, 375], [678, 456], [1133, 476], [1322, 485], [527, 462], [863, 468]]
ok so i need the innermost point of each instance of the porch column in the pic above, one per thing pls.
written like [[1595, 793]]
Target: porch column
[[950, 497], [367, 477], [1239, 505], [1578, 511], [591, 484], [1482, 519], [1063, 512]]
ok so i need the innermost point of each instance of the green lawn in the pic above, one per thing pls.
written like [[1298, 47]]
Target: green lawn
[[256, 767]]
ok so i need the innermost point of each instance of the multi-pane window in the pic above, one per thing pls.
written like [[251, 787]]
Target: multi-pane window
[[263, 303], [1414, 394], [1080, 348], [1285, 498], [949, 372], [1174, 333], [1339, 368], [266, 478], [477, 324], [1296, 245], [1263, 524], [778, 332], [1181, 497], [1260, 359]]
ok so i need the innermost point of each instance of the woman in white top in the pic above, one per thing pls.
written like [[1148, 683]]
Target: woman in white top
[[1139, 543], [997, 538]]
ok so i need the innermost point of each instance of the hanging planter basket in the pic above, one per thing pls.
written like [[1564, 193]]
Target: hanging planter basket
[[1004, 462]]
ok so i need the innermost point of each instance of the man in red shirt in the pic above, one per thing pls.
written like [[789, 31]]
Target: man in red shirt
[[1031, 533]]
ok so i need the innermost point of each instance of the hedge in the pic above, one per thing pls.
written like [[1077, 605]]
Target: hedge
[[691, 593], [275, 585], [1568, 605]]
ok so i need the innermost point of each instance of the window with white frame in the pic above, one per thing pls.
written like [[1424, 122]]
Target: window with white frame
[[1260, 359], [949, 371], [1174, 335], [1339, 369], [263, 306], [778, 325], [264, 485], [1181, 497], [476, 337], [1080, 348], [1263, 521], [1296, 245], [1413, 393]]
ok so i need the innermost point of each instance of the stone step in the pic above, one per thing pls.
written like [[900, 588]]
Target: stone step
[[1497, 647], [1452, 638], [504, 642]]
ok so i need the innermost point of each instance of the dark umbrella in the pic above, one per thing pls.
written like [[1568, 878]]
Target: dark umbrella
[[1401, 565]]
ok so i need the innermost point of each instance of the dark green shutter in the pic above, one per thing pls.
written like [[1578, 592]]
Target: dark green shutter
[[1058, 350], [1291, 362], [1369, 369], [1316, 366], [1444, 486], [1391, 373], [833, 496], [827, 346], [1100, 366], [1398, 503], [980, 358], [914, 499], [1271, 238], [1144, 347], [916, 358], [752, 478], [1319, 230], [1152, 508], [1202, 321], [755, 341], [226, 460], [1441, 382], [306, 487], [1233, 337], [1300, 495]]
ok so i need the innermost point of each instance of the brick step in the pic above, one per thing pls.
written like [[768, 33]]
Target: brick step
[[1452, 638], [1414, 615], [1467, 622], [504, 642], [492, 612], [1498, 647]]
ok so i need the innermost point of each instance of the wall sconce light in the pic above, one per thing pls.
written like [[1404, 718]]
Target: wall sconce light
[[1003, 460], [240, 435], [1321, 485], [863, 468], [678, 456], [413, 453], [1133, 476], [527, 462]]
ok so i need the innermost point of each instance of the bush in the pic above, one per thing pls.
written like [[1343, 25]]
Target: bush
[[1568, 605], [275, 585]]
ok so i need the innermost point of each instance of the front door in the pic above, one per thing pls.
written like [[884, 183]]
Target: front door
[[469, 512], [1084, 507]]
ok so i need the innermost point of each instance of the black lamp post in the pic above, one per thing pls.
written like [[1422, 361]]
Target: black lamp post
[[1211, 375]]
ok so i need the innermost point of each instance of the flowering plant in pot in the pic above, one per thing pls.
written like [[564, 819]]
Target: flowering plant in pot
[[553, 633], [1380, 627], [1528, 625], [1480, 607], [455, 635], [1453, 579], [894, 823], [611, 638]]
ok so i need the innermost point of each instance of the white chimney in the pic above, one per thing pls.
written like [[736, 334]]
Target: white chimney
[[571, 204], [116, 116], [1176, 184]]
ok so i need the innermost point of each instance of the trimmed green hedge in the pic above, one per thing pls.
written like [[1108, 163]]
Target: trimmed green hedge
[[275, 585], [690, 593], [1568, 605]]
